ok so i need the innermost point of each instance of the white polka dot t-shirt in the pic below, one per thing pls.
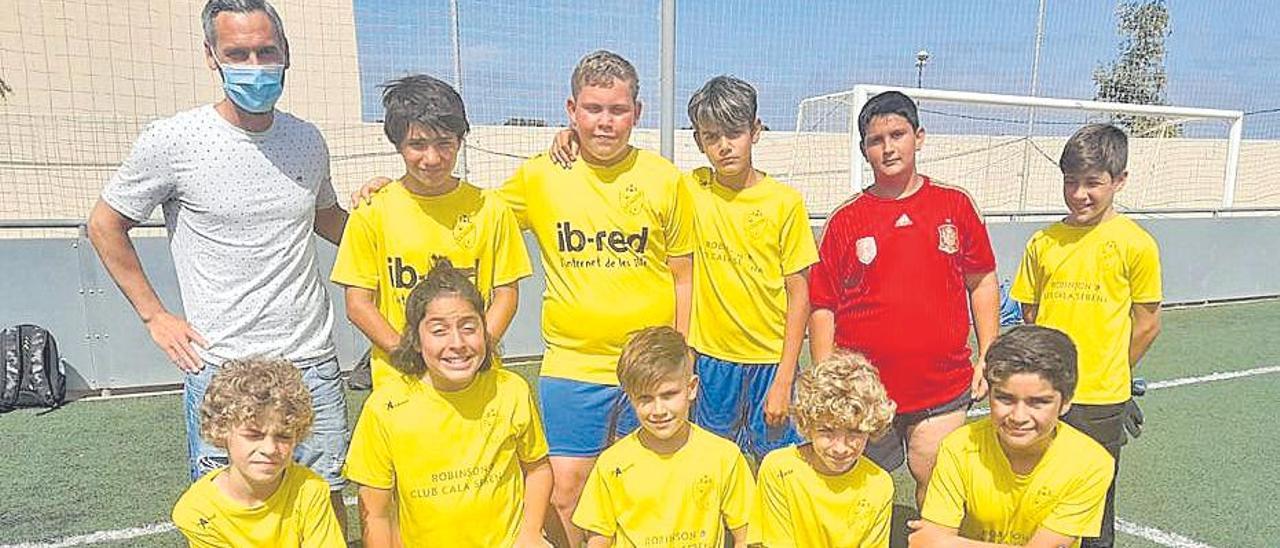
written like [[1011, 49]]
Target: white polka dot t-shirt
[[239, 208]]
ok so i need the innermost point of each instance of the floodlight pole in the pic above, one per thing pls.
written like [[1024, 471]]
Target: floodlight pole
[[457, 77], [668, 81], [922, 59]]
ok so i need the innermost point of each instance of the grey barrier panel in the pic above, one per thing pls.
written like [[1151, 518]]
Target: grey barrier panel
[[1202, 259], [123, 349], [60, 284], [1218, 259], [42, 286]]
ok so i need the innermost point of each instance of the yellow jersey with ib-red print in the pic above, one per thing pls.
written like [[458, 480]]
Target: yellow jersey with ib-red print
[[605, 234]]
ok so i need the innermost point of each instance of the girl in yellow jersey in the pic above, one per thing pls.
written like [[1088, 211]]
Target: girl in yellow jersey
[[458, 449]]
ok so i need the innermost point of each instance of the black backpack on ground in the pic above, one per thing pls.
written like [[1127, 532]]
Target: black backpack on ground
[[34, 374]]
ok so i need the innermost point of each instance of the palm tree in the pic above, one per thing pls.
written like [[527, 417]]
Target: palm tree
[[5, 90]]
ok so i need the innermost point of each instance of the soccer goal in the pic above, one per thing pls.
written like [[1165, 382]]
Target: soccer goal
[[1004, 149]]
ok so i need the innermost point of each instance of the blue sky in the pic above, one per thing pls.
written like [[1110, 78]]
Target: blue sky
[[517, 56]]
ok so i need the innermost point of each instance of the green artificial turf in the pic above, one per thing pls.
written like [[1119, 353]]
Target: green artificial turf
[[1204, 469]]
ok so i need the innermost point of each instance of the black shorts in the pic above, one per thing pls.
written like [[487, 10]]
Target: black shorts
[[890, 451], [1103, 423]]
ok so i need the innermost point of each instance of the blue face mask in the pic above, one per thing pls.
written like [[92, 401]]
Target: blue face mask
[[253, 88]]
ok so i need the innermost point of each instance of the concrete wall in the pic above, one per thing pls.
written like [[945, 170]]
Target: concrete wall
[[60, 284]]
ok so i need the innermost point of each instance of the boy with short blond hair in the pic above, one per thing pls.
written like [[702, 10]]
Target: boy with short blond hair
[[1096, 276], [823, 494], [427, 214], [753, 247], [257, 410], [670, 482], [1020, 477], [614, 232]]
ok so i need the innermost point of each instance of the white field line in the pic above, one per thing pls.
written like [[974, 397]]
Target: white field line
[[1171, 540], [99, 536], [177, 391], [1163, 538], [1159, 385], [1213, 377]]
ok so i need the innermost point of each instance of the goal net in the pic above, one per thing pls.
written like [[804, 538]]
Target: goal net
[[1004, 149]]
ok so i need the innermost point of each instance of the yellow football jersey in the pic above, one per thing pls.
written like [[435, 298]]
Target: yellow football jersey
[[298, 514], [745, 243], [391, 244], [799, 507], [974, 489], [453, 458], [605, 234], [1084, 281], [641, 498]]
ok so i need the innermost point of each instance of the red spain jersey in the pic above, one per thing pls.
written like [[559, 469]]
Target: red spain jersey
[[893, 272]]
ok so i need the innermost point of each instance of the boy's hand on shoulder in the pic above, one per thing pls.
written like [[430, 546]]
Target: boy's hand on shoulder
[[364, 194], [777, 403], [564, 148]]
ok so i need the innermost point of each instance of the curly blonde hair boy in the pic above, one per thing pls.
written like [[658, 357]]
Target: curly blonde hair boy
[[267, 393], [843, 391]]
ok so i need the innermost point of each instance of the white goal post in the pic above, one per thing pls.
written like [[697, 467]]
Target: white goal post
[[859, 95]]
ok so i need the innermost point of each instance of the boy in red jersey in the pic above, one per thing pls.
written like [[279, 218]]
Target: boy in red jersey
[[902, 265]]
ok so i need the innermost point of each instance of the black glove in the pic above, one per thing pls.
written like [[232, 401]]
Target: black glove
[[1138, 387], [1133, 418]]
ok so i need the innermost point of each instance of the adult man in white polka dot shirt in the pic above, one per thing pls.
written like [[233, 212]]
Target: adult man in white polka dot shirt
[[242, 187]]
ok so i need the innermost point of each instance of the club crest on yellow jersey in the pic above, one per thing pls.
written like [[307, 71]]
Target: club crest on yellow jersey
[[702, 489], [756, 223], [464, 231], [631, 199], [858, 510], [1043, 497], [1109, 257]]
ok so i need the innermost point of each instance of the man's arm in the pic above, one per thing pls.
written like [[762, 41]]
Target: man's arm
[[330, 222], [778, 401], [377, 524], [739, 537], [109, 233], [537, 497], [502, 308], [1146, 326], [682, 272], [362, 310], [931, 535], [984, 304]]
